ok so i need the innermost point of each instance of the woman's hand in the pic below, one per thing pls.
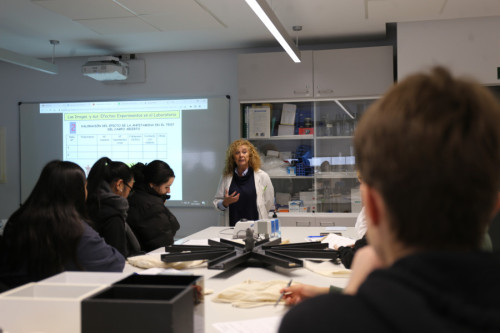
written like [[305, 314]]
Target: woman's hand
[[230, 198], [337, 247], [299, 292]]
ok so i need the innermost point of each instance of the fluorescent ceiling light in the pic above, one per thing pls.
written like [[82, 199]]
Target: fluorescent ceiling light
[[267, 16], [28, 62]]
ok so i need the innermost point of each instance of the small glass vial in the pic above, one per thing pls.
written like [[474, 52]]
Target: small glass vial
[[329, 129], [308, 122]]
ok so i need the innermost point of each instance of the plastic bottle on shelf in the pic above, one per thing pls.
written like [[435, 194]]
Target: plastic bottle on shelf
[[329, 128], [350, 161], [346, 125], [338, 125], [320, 126], [354, 122], [341, 163]]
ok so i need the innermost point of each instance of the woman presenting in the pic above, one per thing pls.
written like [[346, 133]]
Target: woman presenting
[[245, 190]]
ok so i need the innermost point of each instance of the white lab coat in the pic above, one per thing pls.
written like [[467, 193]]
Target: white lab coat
[[361, 225], [263, 187]]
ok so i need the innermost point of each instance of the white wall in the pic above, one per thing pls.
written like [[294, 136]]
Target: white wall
[[179, 74], [466, 46]]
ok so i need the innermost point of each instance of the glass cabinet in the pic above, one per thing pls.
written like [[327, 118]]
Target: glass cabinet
[[307, 150]]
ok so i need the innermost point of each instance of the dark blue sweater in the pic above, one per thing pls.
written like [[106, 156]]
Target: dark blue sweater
[[246, 206]]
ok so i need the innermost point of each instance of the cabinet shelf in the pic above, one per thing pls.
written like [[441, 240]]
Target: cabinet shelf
[[350, 137], [286, 137], [318, 157], [323, 175], [329, 90], [291, 177], [336, 175]]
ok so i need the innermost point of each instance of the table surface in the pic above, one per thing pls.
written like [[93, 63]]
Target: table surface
[[217, 280]]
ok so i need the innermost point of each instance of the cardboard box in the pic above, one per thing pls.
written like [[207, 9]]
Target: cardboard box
[[294, 206], [306, 130], [259, 122], [286, 130], [309, 200], [128, 308]]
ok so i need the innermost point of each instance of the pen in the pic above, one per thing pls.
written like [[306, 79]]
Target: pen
[[316, 238], [283, 293]]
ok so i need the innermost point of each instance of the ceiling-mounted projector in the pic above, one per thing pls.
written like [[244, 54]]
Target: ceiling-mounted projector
[[105, 68]]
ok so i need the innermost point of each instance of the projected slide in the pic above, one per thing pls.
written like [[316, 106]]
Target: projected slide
[[130, 131], [190, 134]]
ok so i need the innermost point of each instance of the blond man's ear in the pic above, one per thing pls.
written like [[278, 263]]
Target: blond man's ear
[[373, 203]]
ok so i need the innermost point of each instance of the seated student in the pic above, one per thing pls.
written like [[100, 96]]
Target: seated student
[[428, 153], [49, 234], [109, 185], [152, 222]]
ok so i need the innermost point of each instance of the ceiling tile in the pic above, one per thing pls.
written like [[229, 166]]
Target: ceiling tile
[[124, 25], [85, 9], [410, 10], [181, 7], [170, 22], [173, 15], [476, 8], [403, 10]]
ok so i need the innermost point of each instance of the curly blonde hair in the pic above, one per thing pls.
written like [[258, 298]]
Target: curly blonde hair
[[230, 164]]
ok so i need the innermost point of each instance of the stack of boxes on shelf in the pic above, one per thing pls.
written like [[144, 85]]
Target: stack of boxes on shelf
[[261, 121]]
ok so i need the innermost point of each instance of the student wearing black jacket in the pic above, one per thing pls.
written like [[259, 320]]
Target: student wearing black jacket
[[109, 185], [152, 222], [346, 253], [428, 153]]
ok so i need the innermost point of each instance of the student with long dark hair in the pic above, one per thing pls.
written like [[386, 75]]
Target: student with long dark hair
[[153, 223], [109, 185], [49, 234]]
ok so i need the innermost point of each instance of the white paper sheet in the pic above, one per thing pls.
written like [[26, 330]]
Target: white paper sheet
[[163, 271], [335, 228], [260, 325], [196, 242], [333, 239], [288, 114]]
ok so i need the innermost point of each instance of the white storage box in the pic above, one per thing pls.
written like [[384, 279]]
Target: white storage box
[[47, 308], [85, 278], [308, 200]]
